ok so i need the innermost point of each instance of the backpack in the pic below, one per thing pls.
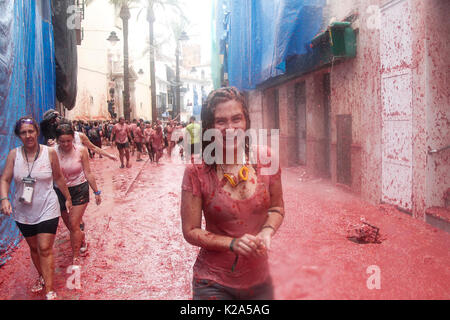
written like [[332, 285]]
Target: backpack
[[93, 134]]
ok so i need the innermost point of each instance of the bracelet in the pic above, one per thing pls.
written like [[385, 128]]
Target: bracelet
[[97, 193], [267, 226], [232, 243], [5, 198], [276, 211]]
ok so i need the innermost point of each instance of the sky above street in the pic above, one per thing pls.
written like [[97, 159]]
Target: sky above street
[[198, 13]]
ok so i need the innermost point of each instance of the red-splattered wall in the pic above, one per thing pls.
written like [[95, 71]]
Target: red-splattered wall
[[437, 99], [392, 99]]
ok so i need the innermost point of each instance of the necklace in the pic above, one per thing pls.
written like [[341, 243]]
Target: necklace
[[35, 158], [242, 175]]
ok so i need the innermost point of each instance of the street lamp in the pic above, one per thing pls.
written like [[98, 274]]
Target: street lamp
[[113, 39], [176, 111]]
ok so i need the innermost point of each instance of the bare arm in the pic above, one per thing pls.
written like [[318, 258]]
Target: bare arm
[[191, 218], [276, 212], [59, 179], [5, 182], [89, 175], [88, 144]]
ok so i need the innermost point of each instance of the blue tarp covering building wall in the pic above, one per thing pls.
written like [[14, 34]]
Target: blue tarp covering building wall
[[255, 37], [27, 82]]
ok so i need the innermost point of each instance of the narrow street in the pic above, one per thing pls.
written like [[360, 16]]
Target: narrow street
[[137, 251]]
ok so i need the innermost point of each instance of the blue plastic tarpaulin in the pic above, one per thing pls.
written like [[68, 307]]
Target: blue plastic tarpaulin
[[258, 36], [27, 82]]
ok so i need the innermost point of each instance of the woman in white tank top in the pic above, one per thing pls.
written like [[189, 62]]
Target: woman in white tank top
[[75, 167], [34, 168]]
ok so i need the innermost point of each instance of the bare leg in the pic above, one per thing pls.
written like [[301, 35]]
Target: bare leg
[[76, 235], [72, 223], [45, 249], [32, 243], [127, 156], [121, 155]]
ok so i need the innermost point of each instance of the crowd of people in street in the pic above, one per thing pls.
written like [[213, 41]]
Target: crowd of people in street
[[243, 208]]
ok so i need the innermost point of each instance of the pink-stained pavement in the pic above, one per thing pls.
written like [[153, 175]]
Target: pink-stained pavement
[[137, 251]]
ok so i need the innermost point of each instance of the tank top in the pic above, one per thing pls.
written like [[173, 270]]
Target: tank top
[[71, 166], [45, 205]]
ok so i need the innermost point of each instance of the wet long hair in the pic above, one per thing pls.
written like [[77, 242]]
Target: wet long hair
[[215, 98], [64, 129]]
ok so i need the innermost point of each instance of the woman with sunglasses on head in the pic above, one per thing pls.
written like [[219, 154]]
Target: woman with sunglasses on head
[[242, 206], [34, 168], [74, 160]]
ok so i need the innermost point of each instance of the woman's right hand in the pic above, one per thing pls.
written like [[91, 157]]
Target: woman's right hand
[[69, 205], [249, 246], [6, 207]]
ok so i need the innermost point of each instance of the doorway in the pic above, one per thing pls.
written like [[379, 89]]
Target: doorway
[[326, 121], [300, 107], [343, 148]]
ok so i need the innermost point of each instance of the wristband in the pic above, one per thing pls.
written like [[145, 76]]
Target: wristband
[[97, 193], [276, 211], [232, 243], [5, 198]]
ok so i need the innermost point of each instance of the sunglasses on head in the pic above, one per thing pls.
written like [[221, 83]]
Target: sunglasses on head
[[27, 120]]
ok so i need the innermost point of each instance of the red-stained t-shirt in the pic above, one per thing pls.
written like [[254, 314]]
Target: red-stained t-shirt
[[230, 217]]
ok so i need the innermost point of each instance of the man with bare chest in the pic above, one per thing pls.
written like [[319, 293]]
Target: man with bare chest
[[121, 136]]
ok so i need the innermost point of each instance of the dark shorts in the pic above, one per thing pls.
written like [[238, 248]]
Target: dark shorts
[[138, 146], [121, 146], [30, 230], [210, 290], [79, 195]]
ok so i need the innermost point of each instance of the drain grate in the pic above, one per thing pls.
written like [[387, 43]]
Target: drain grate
[[363, 233]]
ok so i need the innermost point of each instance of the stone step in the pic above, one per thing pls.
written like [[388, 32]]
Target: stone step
[[438, 217]]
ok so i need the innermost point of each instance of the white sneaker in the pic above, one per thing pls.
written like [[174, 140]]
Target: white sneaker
[[84, 248], [39, 285], [51, 295]]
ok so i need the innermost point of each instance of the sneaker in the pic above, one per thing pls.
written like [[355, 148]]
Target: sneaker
[[51, 295], [76, 261], [39, 285], [83, 248]]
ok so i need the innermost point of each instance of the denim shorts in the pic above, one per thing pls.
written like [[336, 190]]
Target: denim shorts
[[210, 290]]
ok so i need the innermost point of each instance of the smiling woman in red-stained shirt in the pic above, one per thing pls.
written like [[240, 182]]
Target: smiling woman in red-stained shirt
[[242, 208]]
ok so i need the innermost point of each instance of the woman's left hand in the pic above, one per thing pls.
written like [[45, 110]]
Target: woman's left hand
[[98, 199], [266, 236], [112, 157]]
